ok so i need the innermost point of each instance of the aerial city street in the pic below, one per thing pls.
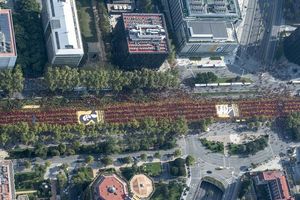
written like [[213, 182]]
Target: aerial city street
[[149, 99]]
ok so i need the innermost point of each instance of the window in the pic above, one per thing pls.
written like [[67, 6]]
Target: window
[[57, 40]]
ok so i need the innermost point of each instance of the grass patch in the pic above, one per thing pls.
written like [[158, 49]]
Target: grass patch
[[216, 147], [86, 21], [152, 169]]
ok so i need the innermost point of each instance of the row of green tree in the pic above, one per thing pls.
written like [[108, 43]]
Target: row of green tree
[[26, 134], [292, 125], [107, 138], [11, 80], [67, 79]]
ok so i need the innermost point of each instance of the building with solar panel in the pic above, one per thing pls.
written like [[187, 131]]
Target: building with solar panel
[[62, 32], [142, 40], [8, 51], [203, 27]]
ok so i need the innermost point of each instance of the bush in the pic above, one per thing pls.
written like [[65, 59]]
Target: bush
[[157, 155], [11, 80], [249, 148], [206, 77], [216, 147], [89, 159], [128, 172], [190, 160], [292, 125], [177, 153], [144, 157], [178, 167], [170, 191], [27, 164], [107, 160], [128, 159]]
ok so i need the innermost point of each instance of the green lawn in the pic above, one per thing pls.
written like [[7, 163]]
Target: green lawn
[[152, 169], [86, 20]]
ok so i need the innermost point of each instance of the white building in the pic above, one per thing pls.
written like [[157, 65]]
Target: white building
[[62, 32], [8, 52], [203, 28]]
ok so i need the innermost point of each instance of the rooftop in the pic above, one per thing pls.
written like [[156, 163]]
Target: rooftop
[[210, 31], [7, 187], [277, 183], [146, 33], [111, 187], [7, 38], [23, 197], [65, 26], [211, 8], [141, 186], [120, 6]]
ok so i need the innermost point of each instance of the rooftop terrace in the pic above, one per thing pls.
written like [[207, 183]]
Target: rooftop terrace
[[146, 33], [202, 8]]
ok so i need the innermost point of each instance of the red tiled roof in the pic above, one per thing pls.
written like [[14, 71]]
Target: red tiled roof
[[278, 175], [271, 175], [112, 188]]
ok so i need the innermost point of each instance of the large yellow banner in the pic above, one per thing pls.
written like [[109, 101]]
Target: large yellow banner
[[90, 117]]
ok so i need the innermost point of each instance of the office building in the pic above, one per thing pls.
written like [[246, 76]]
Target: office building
[[203, 28], [62, 32], [8, 51], [275, 184], [7, 185], [142, 40]]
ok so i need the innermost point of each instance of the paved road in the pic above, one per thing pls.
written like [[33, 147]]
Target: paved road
[[274, 32], [208, 191], [260, 33], [251, 7], [79, 160], [232, 165]]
